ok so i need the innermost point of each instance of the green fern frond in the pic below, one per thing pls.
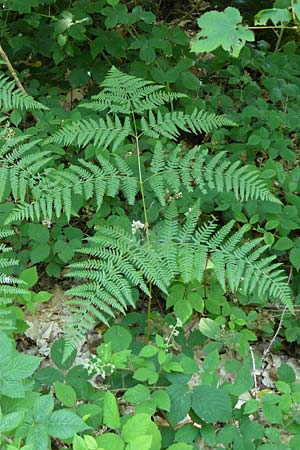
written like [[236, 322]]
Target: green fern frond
[[102, 133], [9, 285], [20, 163], [196, 168], [56, 190], [242, 266], [170, 124], [123, 94], [12, 97], [114, 263]]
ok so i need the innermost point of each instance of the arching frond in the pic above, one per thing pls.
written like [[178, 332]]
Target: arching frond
[[10, 286], [123, 94], [170, 124], [12, 97], [102, 132], [56, 190], [196, 168]]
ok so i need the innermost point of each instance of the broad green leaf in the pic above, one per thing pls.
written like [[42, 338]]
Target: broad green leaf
[[148, 351], [30, 276], [227, 434], [210, 328], [272, 413], [63, 424], [48, 375], [6, 348], [275, 15], [143, 374], [65, 394], [42, 296], [42, 408], [295, 258], [10, 421], [111, 415], [141, 425], [180, 402], [162, 400], [85, 443], [38, 233], [79, 443], [143, 442], [211, 361], [251, 406], [286, 373], [21, 366], [37, 438], [137, 394], [119, 338], [109, 441], [39, 253], [211, 404], [283, 243], [183, 310], [232, 38]]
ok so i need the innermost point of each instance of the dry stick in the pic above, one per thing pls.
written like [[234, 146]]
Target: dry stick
[[12, 70], [267, 350]]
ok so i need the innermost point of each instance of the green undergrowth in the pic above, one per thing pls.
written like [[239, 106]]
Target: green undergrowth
[[155, 176]]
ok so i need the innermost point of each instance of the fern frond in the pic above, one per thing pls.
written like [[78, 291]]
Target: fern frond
[[9, 285], [20, 163], [170, 124], [114, 263], [12, 97], [241, 265], [122, 94], [55, 191], [196, 168], [101, 133]]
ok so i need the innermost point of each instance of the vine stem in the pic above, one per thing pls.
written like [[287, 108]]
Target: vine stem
[[141, 182], [12, 70]]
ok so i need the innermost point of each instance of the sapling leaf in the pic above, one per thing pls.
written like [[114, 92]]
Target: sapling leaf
[[223, 29]]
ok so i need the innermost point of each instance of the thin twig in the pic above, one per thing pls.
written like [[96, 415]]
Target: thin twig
[[12, 70], [267, 350], [254, 373]]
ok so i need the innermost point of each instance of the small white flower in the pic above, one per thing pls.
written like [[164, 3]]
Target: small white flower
[[6, 280], [189, 211], [179, 195], [136, 225]]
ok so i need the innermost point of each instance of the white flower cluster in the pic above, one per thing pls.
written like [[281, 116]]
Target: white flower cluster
[[189, 211], [171, 197], [96, 367], [136, 226], [9, 133], [174, 332]]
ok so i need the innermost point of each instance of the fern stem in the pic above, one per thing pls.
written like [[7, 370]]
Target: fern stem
[[141, 182], [12, 70]]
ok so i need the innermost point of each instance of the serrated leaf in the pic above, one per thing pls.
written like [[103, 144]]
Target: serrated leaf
[[210, 328], [111, 415], [37, 438], [65, 394], [63, 424], [211, 404]]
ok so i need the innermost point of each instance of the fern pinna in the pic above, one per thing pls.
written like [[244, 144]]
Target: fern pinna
[[131, 116], [10, 286]]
